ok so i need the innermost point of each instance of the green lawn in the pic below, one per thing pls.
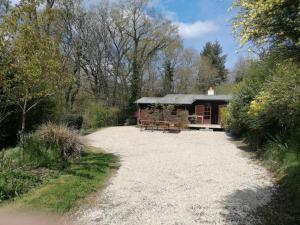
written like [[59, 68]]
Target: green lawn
[[62, 193]]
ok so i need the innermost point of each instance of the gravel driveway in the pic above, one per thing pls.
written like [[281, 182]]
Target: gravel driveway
[[194, 177]]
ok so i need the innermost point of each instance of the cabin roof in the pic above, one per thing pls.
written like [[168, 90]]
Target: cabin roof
[[182, 99]]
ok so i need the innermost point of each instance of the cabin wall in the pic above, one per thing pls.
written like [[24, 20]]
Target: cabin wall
[[215, 107], [215, 110]]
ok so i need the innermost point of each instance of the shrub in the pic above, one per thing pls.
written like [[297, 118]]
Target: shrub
[[266, 102], [97, 116], [72, 120], [62, 138], [183, 119]]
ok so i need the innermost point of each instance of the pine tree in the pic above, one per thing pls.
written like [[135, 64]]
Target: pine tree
[[213, 51], [168, 78]]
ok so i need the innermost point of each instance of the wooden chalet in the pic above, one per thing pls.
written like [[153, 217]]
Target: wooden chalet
[[203, 111]]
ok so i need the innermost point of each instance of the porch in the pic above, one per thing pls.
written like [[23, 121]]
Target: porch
[[184, 111]]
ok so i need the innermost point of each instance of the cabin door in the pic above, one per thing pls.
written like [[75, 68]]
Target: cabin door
[[204, 113], [199, 111]]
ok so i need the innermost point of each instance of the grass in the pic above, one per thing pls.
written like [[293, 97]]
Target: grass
[[284, 163], [284, 207], [62, 193], [286, 166]]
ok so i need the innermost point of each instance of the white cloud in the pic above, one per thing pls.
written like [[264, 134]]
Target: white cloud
[[196, 29], [15, 1]]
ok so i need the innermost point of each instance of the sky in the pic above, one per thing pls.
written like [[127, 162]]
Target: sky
[[200, 21]]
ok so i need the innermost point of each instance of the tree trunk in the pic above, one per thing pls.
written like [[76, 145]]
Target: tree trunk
[[22, 132]]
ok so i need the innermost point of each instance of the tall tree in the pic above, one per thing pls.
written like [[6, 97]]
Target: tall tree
[[207, 75], [269, 23], [149, 35], [35, 60], [168, 79], [241, 68], [4, 7], [186, 71], [213, 51]]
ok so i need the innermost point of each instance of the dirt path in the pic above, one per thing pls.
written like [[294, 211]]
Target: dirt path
[[193, 177]]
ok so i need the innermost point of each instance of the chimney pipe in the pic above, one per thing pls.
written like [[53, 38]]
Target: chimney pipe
[[210, 91]]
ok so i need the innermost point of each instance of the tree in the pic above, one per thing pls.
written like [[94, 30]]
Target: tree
[[213, 51], [269, 23], [207, 75], [4, 7], [186, 71], [241, 68], [168, 86], [148, 35], [35, 60], [119, 48]]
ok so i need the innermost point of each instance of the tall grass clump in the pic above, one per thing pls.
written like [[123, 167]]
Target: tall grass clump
[[60, 138]]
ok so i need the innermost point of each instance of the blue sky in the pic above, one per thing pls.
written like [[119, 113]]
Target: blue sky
[[200, 21]]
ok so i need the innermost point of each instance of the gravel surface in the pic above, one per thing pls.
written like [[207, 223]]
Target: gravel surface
[[194, 177]]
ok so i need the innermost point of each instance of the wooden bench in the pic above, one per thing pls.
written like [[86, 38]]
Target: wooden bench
[[159, 125]]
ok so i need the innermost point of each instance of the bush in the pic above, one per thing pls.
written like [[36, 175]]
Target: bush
[[97, 116], [266, 102], [266, 111], [72, 120], [61, 138]]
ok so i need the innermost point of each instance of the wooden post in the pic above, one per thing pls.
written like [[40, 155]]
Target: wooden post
[[139, 116]]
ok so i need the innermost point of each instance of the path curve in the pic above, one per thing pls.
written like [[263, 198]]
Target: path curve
[[194, 177]]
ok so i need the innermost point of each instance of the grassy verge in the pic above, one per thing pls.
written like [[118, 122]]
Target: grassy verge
[[62, 192], [283, 159], [284, 207], [284, 163]]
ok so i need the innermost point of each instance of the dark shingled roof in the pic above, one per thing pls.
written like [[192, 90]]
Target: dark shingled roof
[[182, 99]]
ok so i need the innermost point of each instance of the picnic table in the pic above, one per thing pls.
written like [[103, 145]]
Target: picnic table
[[159, 125]]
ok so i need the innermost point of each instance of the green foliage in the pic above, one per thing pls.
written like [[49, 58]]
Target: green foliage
[[269, 22], [213, 51], [45, 111], [266, 111], [225, 89], [32, 69], [245, 92], [208, 75], [73, 184], [18, 176], [38, 154], [168, 78], [283, 156], [97, 116], [15, 182], [183, 119], [46, 153], [72, 120]]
